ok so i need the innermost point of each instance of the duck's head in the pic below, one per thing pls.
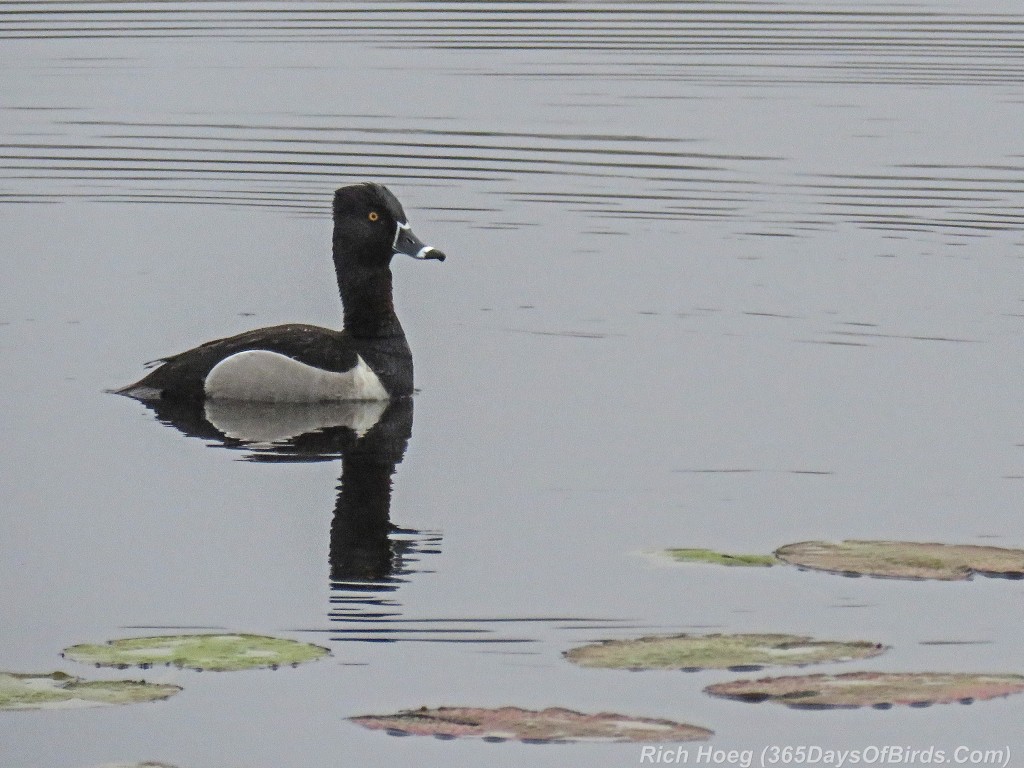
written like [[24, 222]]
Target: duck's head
[[370, 227]]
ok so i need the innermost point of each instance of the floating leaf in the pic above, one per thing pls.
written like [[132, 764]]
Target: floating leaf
[[218, 653], [870, 689], [905, 559], [694, 652], [547, 725], [720, 558], [60, 691]]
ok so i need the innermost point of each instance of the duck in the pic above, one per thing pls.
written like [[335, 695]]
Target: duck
[[368, 360]]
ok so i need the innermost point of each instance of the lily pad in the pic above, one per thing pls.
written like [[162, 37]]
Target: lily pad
[[905, 559], [737, 652], [720, 558], [545, 726], [217, 653], [60, 691], [870, 689]]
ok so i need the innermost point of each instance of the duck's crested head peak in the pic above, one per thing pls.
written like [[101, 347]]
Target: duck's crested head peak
[[356, 198], [370, 226]]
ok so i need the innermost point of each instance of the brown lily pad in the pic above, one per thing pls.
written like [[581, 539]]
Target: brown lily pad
[[736, 652], [870, 689], [552, 725], [905, 559]]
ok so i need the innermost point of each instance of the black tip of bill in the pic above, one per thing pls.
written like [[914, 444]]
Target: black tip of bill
[[430, 253], [408, 244]]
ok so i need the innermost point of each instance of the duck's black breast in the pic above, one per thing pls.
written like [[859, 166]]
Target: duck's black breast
[[183, 376]]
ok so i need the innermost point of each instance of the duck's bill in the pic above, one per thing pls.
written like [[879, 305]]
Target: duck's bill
[[408, 244]]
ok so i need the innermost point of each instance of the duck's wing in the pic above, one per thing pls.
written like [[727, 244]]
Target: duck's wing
[[182, 376]]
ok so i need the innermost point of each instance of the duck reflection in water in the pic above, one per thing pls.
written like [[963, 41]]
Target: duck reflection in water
[[368, 554]]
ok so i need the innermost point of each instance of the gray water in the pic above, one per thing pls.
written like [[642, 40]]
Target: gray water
[[721, 274]]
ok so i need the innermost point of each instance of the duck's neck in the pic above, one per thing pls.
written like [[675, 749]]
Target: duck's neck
[[366, 302]]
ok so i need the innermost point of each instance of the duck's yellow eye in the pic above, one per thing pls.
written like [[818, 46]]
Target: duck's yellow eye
[[374, 216]]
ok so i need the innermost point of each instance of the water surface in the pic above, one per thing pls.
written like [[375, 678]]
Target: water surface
[[722, 274]]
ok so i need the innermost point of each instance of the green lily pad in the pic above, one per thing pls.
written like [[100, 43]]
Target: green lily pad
[[217, 653], [736, 652], [720, 558], [553, 725], [905, 559], [880, 690], [60, 691]]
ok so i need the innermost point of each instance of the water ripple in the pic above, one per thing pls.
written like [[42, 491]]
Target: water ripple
[[701, 41], [290, 167], [635, 52], [965, 199], [599, 175]]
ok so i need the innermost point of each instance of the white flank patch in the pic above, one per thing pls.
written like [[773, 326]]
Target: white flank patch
[[268, 377]]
